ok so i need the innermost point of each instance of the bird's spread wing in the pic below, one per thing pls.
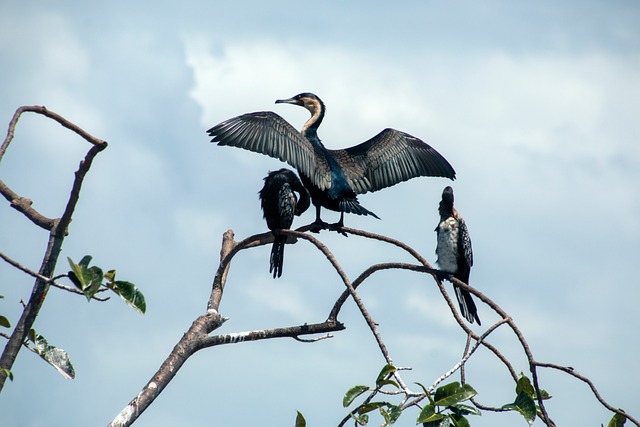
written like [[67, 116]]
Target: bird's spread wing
[[267, 133], [464, 242], [389, 158]]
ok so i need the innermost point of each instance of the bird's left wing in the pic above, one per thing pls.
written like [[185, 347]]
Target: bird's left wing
[[389, 158], [464, 242], [267, 133]]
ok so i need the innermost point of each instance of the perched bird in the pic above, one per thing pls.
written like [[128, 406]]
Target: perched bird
[[333, 177], [279, 204], [455, 256]]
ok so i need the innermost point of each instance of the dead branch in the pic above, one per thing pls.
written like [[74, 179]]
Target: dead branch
[[56, 227]]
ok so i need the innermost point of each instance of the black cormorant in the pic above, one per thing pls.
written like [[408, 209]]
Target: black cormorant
[[279, 204], [333, 177], [454, 252]]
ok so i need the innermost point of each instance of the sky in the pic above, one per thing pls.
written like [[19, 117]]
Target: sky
[[533, 103]]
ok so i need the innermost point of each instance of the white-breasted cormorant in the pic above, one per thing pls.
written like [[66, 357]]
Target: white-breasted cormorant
[[455, 256], [279, 205], [333, 177]]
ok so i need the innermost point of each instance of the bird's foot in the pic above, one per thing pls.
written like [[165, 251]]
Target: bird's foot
[[318, 225], [337, 227]]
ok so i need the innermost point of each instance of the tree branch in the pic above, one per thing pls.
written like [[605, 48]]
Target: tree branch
[[58, 229], [51, 281], [569, 370]]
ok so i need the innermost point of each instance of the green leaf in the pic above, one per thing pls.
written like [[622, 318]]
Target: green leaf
[[392, 414], [428, 414], [85, 261], [300, 421], [353, 393], [524, 385], [130, 294], [387, 417], [424, 389], [55, 356], [5, 322], [545, 395], [110, 275], [444, 422], [459, 421], [96, 282], [87, 279], [371, 406], [461, 409], [387, 382], [384, 373], [453, 393], [617, 421], [525, 405], [363, 420], [76, 274]]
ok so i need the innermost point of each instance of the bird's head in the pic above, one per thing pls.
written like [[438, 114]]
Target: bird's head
[[447, 195], [307, 100]]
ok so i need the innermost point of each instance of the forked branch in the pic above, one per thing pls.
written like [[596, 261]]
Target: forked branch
[[57, 231], [197, 337]]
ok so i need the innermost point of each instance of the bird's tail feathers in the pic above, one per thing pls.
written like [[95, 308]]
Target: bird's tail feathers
[[467, 305], [352, 206], [277, 255]]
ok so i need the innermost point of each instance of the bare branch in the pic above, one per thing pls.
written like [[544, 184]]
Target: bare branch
[[312, 340], [291, 332], [363, 309], [569, 370], [58, 229], [23, 204]]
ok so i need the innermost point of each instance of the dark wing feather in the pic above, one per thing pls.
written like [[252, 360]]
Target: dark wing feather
[[389, 158], [267, 133], [464, 242]]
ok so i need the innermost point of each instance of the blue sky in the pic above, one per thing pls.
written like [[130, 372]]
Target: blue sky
[[533, 103]]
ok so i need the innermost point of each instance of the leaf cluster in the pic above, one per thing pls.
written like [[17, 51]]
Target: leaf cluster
[[445, 407], [89, 280], [525, 402]]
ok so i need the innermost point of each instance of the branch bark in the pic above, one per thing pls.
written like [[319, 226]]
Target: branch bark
[[56, 227]]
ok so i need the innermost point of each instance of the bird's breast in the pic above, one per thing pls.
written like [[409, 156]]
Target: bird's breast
[[447, 248]]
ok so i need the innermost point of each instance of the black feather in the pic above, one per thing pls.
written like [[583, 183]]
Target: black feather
[[279, 205], [455, 256], [333, 177]]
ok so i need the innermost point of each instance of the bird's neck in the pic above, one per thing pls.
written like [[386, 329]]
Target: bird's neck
[[310, 128], [445, 210]]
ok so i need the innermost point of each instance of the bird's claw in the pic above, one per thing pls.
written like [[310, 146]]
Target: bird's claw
[[337, 227], [317, 226]]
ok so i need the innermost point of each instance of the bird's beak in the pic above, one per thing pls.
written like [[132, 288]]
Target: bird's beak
[[288, 101]]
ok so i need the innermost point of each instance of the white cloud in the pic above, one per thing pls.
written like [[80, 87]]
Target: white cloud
[[434, 311], [544, 144], [280, 297]]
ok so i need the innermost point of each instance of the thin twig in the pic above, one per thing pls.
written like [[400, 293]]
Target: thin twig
[[569, 370], [51, 280], [363, 309], [58, 230]]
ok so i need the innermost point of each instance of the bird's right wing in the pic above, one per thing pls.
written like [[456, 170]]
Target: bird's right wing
[[267, 133], [388, 158]]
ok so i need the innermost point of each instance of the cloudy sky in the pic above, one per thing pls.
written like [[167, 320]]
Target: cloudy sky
[[535, 104]]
